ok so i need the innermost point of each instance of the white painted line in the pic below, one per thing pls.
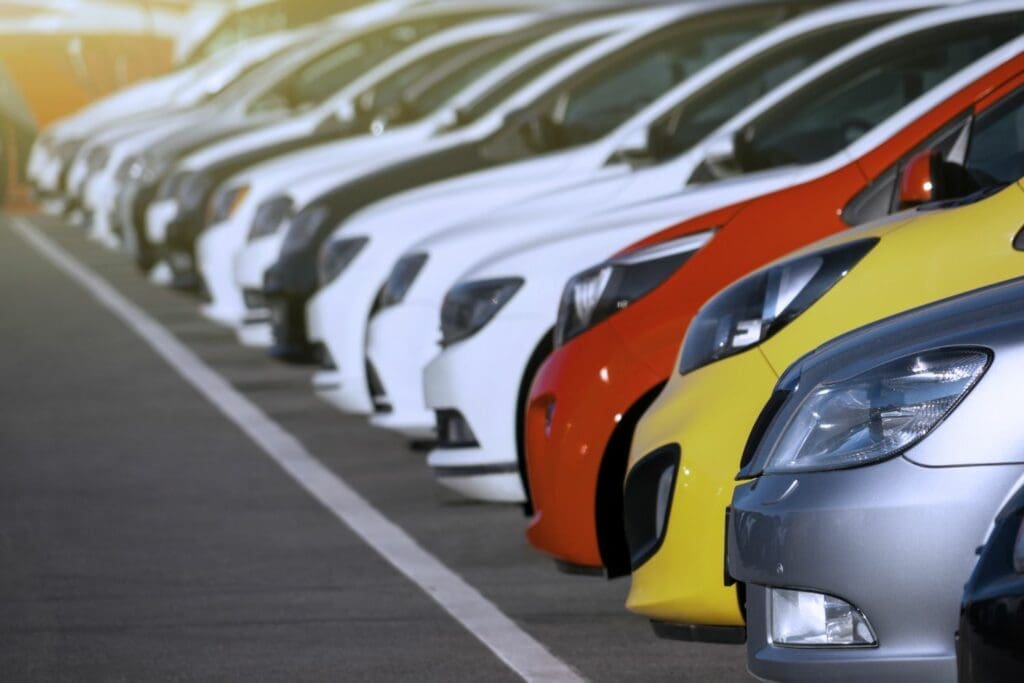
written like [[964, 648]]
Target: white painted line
[[513, 646]]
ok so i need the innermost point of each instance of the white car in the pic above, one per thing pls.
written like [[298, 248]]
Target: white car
[[337, 315], [496, 131], [401, 338], [57, 147], [321, 102], [217, 244], [466, 45], [240, 104], [497, 321]]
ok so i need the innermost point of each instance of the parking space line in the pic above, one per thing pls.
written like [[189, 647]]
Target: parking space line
[[517, 649]]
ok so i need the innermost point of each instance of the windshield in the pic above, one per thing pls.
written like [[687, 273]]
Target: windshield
[[591, 106], [704, 112], [462, 71], [424, 85], [837, 109], [510, 86], [332, 69]]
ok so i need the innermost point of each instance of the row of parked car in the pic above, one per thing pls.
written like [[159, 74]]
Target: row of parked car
[[492, 224]]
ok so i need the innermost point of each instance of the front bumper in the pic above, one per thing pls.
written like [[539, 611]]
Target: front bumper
[[708, 413], [894, 539], [215, 257], [579, 396], [336, 319], [159, 216], [401, 341], [100, 201], [489, 470]]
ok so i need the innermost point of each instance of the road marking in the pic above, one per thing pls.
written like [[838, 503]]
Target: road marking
[[488, 624]]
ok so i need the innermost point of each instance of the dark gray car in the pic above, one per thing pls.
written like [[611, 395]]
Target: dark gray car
[[887, 454]]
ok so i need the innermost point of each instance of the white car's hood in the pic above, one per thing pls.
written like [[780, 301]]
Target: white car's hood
[[584, 210]]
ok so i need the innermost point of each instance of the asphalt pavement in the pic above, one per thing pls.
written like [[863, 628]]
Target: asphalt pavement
[[145, 536]]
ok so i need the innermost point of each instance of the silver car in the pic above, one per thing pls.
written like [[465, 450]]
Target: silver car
[[872, 477]]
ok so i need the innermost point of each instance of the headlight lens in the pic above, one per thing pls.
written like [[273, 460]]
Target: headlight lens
[[602, 291], [97, 158], [67, 150], [129, 169], [469, 306], [270, 216], [877, 414], [171, 185], [304, 228], [225, 202], [402, 276], [337, 255], [753, 309], [193, 190], [151, 169]]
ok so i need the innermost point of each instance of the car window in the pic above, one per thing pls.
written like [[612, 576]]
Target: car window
[[836, 110], [996, 152], [466, 68], [701, 114], [510, 86], [327, 73], [613, 92], [241, 25], [389, 90]]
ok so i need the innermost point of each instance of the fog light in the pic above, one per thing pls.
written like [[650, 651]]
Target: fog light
[[804, 619], [453, 430]]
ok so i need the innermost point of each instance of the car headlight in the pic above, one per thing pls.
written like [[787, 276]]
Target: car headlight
[[753, 309], [600, 292], [304, 228], [193, 189], [67, 150], [469, 306], [270, 216], [152, 169], [225, 201], [400, 280], [337, 255], [876, 415], [97, 158], [130, 169], [171, 185]]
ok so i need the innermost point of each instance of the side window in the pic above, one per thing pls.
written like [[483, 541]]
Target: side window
[[833, 112], [242, 25], [610, 95], [880, 198], [996, 152], [701, 114]]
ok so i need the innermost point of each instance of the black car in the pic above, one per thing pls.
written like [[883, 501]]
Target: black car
[[990, 643]]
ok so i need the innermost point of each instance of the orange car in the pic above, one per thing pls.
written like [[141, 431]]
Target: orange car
[[589, 395]]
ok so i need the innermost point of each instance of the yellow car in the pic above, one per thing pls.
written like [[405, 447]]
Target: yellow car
[[690, 443]]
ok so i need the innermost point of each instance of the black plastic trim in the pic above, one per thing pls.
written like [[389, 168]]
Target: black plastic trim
[[696, 633]]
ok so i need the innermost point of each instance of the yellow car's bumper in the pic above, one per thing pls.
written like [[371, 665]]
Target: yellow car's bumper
[[708, 413]]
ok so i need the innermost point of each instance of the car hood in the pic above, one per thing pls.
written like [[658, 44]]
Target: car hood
[[589, 207]]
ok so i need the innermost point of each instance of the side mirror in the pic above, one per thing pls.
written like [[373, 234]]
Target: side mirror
[[448, 119], [917, 184], [538, 130], [635, 145], [929, 177], [720, 155]]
